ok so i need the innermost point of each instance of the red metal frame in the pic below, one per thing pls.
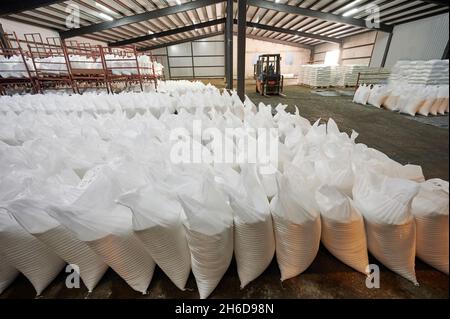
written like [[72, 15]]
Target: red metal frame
[[58, 75], [84, 76], [75, 70], [14, 49]]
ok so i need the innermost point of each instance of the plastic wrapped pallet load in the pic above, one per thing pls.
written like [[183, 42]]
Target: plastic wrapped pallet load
[[430, 210], [385, 203], [157, 222], [296, 224], [107, 227], [27, 254], [343, 232], [254, 242], [209, 229]]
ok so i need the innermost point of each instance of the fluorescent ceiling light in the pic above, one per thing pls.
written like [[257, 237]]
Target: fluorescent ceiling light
[[104, 16], [178, 2], [101, 6], [350, 12], [150, 32], [351, 4]]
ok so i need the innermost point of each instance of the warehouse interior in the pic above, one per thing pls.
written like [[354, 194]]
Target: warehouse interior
[[91, 90]]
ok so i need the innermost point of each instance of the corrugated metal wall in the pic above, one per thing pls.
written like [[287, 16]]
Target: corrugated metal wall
[[197, 59], [423, 39]]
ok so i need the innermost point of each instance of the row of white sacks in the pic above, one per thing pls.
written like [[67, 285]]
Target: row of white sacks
[[11, 66], [407, 99], [431, 72], [169, 98], [100, 190]]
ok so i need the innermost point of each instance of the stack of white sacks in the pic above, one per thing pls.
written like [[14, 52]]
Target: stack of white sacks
[[315, 75], [347, 75], [14, 67], [414, 87], [97, 187]]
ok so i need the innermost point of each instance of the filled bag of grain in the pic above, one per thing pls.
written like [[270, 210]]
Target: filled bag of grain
[[158, 223], [385, 203], [254, 242], [106, 227], [430, 210], [431, 97], [296, 219], [378, 95], [343, 232], [32, 216], [27, 254], [209, 228], [7, 274]]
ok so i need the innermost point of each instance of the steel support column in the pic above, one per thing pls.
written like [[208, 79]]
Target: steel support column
[[229, 45], [386, 51], [242, 28]]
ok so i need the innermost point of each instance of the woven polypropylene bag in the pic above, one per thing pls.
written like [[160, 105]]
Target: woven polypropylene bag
[[209, 229], [254, 248], [33, 218], [343, 231], [296, 245], [7, 274], [75, 252], [430, 210], [432, 241], [394, 246], [27, 254], [169, 249], [157, 223], [347, 242], [254, 242]]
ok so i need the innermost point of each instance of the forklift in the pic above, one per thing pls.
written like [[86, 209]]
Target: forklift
[[267, 74]]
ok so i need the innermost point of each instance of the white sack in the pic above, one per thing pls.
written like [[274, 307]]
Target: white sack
[[157, 222], [7, 274], [107, 228], [254, 242], [27, 254], [430, 210], [31, 215], [296, 224], [343, 232], [385, 203], [210, 236]]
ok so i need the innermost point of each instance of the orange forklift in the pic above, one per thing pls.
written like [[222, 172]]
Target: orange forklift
[[267, 74]]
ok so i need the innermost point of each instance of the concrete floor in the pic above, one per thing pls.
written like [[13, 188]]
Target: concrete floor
[[400, 138]]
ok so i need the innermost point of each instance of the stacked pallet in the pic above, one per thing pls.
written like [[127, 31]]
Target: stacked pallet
[[433, 72], [315, 75]]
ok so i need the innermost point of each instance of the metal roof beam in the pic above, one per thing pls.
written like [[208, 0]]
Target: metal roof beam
[[17, 6], [162, 45], [293, 32], [222, 21], [148, 15], [168, 32], [316, 14]]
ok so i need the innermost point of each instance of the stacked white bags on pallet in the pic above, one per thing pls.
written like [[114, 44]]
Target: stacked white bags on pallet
[[315, 75]]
